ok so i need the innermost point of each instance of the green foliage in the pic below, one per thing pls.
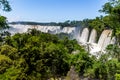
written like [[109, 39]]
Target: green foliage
[[114, 51], [9, 51], [4, 5], [74, 23], [37, 55], [3, 25], [40, 56], [98, 24], [5, 63], [81, 61], [112, 9], [117, 77], [103, 68], [10, 74]]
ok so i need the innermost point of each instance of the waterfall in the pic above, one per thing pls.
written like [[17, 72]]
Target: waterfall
[[84, 35], [74, 33], [104, 39], [68, 29], [113, 40], [93, 36], [18, 28], [77, 33], [23, 28]]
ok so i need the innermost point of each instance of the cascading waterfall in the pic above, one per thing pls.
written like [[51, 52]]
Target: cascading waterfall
[[18, 29], [84, 35], [68, 29], [113, 40], [55, 29], [107, 40], [23, 28], [104, 39], [93, 35], [75, 32]]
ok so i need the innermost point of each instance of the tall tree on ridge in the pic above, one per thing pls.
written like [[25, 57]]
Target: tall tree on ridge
[[4, 5], [112, 9]]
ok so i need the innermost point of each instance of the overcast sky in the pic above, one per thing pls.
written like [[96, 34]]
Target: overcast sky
[[53, 10]]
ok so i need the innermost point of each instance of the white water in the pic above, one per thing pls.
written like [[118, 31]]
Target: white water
[[84, 35], [18, 29], [94, 48], [47, 29], [113, 40], [77, 33], [107, 40], [51, 29], [93, 36], [24, 28], [68, 29], [104, 39]]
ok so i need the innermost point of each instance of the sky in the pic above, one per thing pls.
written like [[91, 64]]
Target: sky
[[53, 10]]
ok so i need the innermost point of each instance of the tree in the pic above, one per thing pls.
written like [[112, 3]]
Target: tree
[[81, 61], [117, 77], [43, 55], [3, 25], [114, 51], [9, 51], [112, 9], [5, 63], [4, 5]]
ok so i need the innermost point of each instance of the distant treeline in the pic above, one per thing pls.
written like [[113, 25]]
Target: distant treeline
[[34, 23], [62, 24], [98, 24]]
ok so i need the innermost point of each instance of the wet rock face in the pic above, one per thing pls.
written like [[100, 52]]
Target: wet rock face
[[72, 75]]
